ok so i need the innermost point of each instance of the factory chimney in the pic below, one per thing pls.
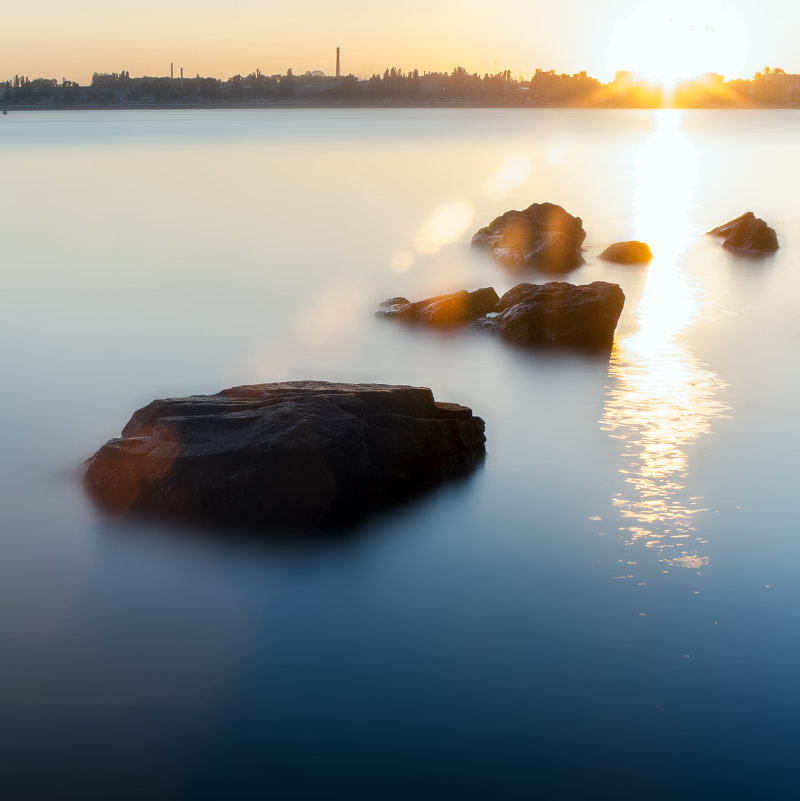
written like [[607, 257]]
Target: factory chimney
[[171, 69], [337, 63]]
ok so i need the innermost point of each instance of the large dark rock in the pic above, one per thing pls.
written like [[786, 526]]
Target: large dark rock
[[543, 236], [631, 252], [748, 235], [444, 311], [283, 457], [558, 314]]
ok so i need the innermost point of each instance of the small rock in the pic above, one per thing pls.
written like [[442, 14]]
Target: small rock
[[747, 235], [283, 457], [444, 311], [631, 252]]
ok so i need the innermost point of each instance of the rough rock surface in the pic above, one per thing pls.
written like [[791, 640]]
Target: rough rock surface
[[444, 311], [748, 235], [283, 457], [631, 252], [558, 314], [543, 236]]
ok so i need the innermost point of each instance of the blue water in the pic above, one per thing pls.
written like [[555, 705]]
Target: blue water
[[608, 607]]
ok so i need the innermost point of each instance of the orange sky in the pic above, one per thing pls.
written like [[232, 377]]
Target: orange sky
[[54, 38]]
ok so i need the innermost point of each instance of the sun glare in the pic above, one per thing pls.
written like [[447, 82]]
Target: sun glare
[[662, 397], [668, 42]]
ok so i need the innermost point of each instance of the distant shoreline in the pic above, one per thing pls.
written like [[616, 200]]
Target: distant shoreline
[[393, 105], [770, 88]]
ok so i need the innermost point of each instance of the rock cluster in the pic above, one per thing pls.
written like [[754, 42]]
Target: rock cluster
[[283, 457], [555, 314], [544, 236], [747, 235]]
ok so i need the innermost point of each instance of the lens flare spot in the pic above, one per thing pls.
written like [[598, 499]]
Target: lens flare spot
[[445, 225], [510, 174]]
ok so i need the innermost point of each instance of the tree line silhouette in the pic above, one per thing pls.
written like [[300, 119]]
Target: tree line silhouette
[[394, 86]]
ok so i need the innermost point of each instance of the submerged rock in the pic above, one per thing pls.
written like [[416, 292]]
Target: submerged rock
[[559, 314], [543, 236], [631, 252], [443, 311], [748, 235], [555, 314], [282, 457]]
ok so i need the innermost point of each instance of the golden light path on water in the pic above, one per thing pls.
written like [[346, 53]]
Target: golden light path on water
[[660, 397]]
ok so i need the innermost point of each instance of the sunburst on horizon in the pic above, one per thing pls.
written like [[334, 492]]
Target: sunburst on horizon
[[668, 42]]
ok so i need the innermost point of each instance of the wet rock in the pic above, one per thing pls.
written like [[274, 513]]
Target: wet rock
[[444, 311], [544, 236], [631, 252], [558, 314], [283, 457], [747, 235]]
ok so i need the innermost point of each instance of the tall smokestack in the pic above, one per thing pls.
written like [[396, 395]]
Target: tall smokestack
[[337, 62], [171, 69]]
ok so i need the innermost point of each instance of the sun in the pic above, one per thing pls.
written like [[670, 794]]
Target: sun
[[667, 42]]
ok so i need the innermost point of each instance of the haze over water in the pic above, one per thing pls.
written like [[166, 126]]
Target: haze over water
[[608, 606]]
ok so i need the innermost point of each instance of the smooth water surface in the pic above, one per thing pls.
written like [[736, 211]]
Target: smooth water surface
[[608, 607]]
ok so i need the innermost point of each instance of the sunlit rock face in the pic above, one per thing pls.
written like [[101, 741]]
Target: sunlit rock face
[[443, 311], [558, 314], [544, 237], [285, 457], [748, 235], [631, 252]]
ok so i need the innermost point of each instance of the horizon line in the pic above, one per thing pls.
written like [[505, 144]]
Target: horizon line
[[257, 73]]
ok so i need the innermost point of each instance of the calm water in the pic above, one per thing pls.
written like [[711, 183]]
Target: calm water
[[609, 607]]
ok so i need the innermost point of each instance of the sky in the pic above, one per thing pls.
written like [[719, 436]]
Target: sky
[[666, 38]]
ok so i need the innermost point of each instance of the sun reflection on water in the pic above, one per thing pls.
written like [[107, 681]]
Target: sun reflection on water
[[660, 396], [665, 173], [658, 406]]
